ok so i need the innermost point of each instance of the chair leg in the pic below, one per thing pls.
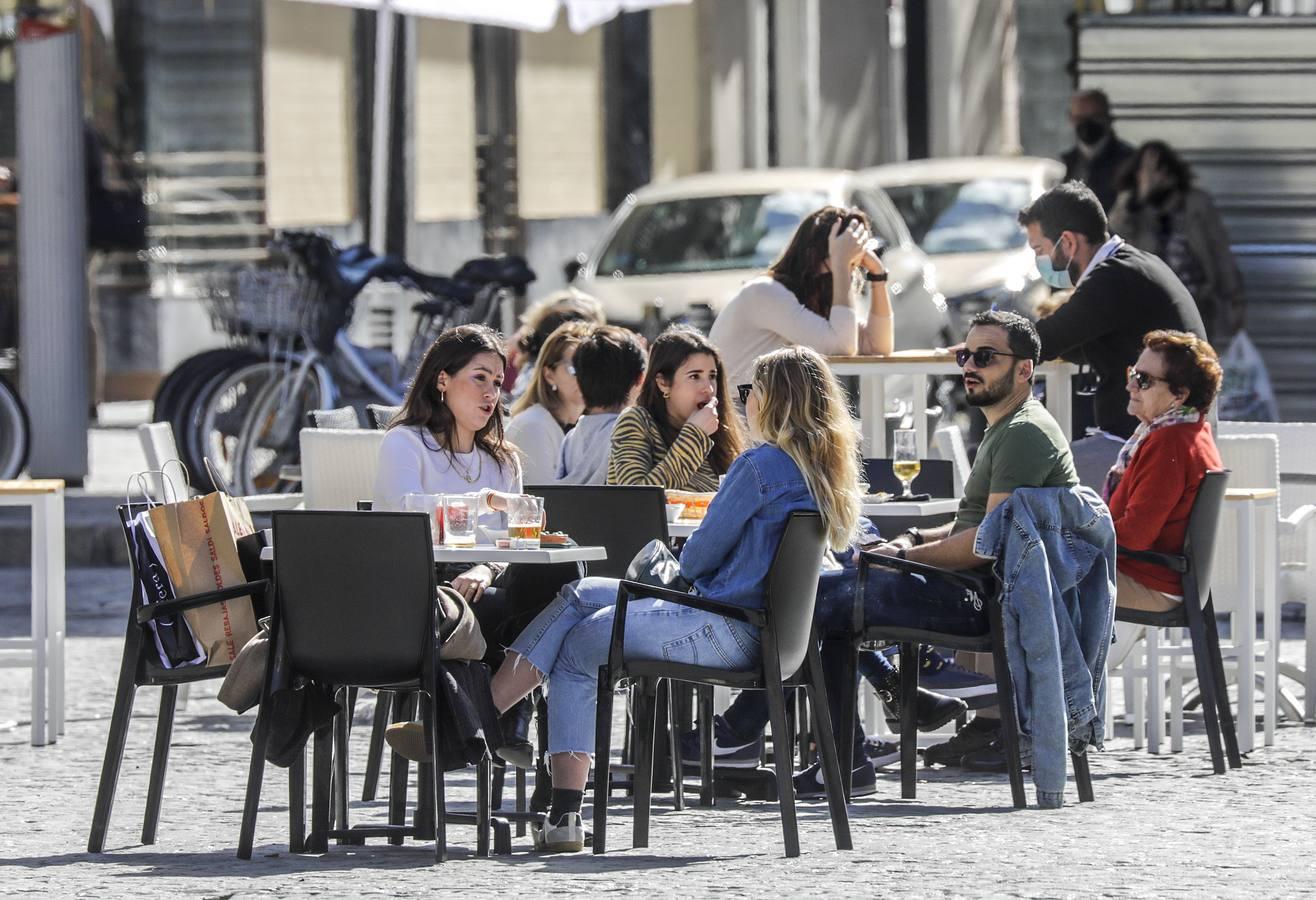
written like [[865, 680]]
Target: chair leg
[[602, 759], [674, 748], [1207, 685], [908, 721], [646, 703], [115, 741], [164, 732], [321, 791], [435, 802], [483, 819], [707, 796], [1226, 715], [1082, 777], [520, 801], [398, 767], [255, 775], [375, 757], [296, 802], [826, 738], [342, 722], [849, 704], [1009, 716], [781, 762]]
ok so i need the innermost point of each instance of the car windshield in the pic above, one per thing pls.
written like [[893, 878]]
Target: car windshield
[[700, 234], [963, 216]]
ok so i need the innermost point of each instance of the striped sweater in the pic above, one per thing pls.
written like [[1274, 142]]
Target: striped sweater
[[641, 456]]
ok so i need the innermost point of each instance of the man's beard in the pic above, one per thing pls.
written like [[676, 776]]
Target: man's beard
[[991, 392]]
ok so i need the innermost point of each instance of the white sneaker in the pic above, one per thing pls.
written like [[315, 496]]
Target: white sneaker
[[567, 836]]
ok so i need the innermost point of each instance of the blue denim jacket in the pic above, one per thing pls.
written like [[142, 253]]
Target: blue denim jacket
[[1055, 554], [728, 556]]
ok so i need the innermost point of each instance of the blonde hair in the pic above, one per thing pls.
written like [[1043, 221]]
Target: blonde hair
[[802, 410], [562, 340]]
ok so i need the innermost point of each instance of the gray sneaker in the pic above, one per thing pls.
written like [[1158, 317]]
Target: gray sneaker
[[566, 836]]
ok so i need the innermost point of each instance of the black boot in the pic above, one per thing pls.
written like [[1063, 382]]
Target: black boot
[[931, 710], [516, 748]]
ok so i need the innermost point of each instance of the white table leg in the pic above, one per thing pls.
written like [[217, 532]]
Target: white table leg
[[1269, 528], [40, 621], [1138, 659], [57, 624], [1245, 626], [1060, 399]]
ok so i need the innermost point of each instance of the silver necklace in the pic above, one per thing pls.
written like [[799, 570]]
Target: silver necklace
[[466, 475]]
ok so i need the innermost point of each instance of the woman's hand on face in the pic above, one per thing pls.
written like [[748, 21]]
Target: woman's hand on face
[[845, 246], [705, 418], [471, 583], [869, 259]]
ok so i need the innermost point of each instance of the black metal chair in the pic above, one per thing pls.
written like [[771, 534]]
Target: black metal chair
[[789, 645], [1194, 565], [141, 667], [986, 589], [621, 518], [344, 623]]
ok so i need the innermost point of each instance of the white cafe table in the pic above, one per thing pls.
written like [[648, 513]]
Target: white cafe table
[[490, 553], [1258, 517], [683, 528], [874, 370]]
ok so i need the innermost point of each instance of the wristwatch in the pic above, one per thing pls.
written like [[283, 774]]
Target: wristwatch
[[914, 535], [901, 553], [880, 276]]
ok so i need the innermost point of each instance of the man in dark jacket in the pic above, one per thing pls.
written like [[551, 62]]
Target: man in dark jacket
[[1098, 155], [1120, 294]]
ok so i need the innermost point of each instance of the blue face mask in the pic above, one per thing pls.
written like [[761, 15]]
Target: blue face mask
[[1056, 276]]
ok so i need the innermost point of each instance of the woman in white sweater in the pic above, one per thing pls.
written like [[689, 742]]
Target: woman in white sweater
[[550, 405], [807, 297]]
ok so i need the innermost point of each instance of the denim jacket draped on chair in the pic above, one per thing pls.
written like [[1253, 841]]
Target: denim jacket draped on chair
[[1055, 555]]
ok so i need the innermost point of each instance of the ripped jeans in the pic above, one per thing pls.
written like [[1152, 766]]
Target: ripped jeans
[[569, 640]]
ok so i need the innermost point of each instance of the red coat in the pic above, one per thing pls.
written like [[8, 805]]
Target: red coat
[[1152, 502]]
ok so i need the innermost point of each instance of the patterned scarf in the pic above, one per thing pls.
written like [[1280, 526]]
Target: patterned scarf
[[1179, 415]]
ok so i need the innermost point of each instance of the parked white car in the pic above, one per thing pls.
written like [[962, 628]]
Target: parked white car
[[673, 247], [962, 213]]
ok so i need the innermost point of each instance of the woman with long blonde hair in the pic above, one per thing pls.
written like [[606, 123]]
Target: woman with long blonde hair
[[808, 461], [550, 405]]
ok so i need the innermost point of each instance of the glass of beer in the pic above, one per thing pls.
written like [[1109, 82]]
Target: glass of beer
[[430, 504], [904, 458], [525, 521], [460, 512]]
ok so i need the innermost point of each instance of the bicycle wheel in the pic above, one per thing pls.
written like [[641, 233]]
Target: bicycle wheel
[[221, 409], [270, 434], [164, 405], [15, 433], [185, 420]]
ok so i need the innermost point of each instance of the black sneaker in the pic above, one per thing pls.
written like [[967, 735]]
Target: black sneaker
[[881, 753], [809, 783], [977, 735], [992, 759], [729, 751], [943, 676]]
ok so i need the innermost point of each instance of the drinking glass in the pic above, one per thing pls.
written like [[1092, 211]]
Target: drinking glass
[[460, 512], [904, 458], [525, 521], [430, 504]]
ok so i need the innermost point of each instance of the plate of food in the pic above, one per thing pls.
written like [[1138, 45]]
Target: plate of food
[[546, 539], [696, 502]]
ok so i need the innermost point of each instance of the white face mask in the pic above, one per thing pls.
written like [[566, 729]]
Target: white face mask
[[1054, 273]]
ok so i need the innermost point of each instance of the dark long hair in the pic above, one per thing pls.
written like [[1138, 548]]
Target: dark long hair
[[667, 353], [797, 269], [425, 408], [1181, 174]]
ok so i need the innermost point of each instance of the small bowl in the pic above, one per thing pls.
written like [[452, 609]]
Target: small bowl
[[863, 488], [674, 511]]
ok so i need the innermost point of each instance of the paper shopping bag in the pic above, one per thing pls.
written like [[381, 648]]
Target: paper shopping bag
[[198, 541]]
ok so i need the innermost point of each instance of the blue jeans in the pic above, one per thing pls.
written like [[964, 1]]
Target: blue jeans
[[890, 598], [569, 640]]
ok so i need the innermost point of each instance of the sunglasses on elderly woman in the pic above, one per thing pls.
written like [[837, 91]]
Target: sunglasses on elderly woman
[[982, 357], [1142, 379], [744, 390]]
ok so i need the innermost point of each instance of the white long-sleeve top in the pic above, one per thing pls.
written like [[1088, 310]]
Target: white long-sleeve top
[[411, 462], [538, 439], [766, 316]]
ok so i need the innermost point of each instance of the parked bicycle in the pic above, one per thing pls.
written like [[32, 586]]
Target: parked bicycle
[[15, 429]]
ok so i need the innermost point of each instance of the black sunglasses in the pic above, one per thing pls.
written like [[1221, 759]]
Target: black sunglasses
[[744, 390], [1143, 379], [982, 357]]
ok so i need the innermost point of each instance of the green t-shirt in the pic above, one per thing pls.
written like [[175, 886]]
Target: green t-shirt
[[1025, 449]]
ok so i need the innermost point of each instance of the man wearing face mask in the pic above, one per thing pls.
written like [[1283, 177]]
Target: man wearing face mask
[[1120, 294], [1098, 154]]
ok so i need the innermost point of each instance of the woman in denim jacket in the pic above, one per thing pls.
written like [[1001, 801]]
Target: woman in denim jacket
[[808, 461]]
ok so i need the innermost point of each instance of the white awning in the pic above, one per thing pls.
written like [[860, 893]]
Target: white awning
[[527, 15]]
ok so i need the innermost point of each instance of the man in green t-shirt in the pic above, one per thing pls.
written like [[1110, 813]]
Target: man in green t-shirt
[[1023, 447]]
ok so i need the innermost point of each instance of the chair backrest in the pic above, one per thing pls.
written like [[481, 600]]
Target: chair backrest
[[1253, 459], [949, 443], [793, 587], [339, 466], [381, 415], [159, 447], [355, 593], [1203, 528], [1297, 462], [621, 518], [342, 418], [935, 477]]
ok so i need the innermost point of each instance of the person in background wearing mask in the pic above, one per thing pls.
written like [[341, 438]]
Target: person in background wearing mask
[[1098, 154], [1120, 294]]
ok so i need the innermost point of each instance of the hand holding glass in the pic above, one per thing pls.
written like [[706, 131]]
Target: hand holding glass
[[904, 460], [525, 521]]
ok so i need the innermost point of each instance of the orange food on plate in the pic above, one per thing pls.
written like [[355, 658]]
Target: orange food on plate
[[696, 502]]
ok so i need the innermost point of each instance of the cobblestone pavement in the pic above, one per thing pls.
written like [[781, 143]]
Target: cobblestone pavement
[[1161, 824]]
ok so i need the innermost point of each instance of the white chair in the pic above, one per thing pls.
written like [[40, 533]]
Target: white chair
[[338, 466], [949, 444], [159, 447]]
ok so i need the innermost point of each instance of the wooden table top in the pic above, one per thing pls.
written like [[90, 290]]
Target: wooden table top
[[34, 486]]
